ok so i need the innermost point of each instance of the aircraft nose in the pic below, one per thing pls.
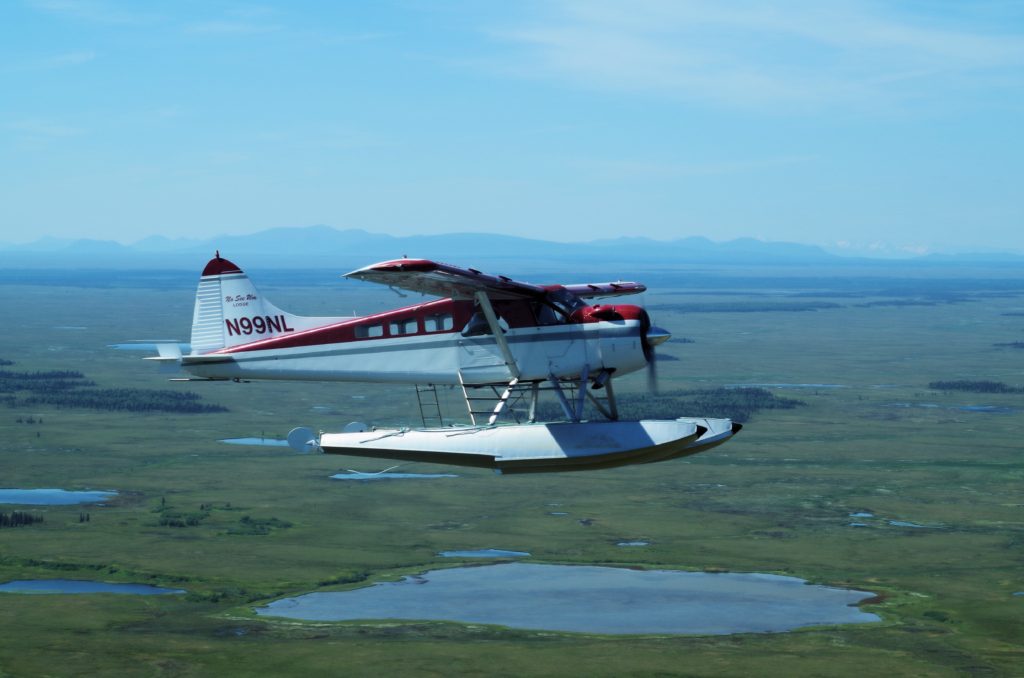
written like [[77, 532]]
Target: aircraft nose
[[656, 336]]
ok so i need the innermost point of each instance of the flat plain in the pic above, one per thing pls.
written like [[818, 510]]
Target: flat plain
[[876, 483]]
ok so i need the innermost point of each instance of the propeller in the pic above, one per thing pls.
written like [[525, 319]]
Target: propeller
[[652, 337]]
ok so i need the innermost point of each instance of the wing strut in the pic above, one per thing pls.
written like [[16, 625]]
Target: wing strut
[[499, 334]]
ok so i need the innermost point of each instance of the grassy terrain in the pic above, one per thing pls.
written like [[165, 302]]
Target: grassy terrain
[[261, 522]]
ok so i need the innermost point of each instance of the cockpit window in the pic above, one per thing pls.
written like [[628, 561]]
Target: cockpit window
[[565, 301]]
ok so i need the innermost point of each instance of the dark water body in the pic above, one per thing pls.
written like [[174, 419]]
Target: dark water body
[[266, 442], [54, 586], [354, 475], [589, 599], [484, 553], [53, 497]]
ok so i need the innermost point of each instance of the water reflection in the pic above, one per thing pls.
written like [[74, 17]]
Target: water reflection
[[590, 600], [52, 586], [53, 497]]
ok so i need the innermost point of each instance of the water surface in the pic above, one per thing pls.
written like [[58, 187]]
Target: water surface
[[484, 553], [53, 497], [52, 586], [589, 599], [386, 475], [907, 523], [268, 442]]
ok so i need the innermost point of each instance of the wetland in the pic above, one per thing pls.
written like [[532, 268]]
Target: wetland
[[587, 599], [240, 526]]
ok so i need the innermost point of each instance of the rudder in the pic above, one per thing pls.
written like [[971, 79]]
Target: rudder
[[229, 311]]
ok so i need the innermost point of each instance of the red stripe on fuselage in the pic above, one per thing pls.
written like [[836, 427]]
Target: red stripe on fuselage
[[516, 313], [345, 331]]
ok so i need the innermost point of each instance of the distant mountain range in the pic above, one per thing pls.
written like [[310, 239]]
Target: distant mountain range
[[326, 247]]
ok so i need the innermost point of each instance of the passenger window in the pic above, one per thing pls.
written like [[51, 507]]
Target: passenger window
[[442, 322], [404, 326], [369, 331]]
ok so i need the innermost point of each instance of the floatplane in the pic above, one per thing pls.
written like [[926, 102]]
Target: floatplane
[[501, 342]]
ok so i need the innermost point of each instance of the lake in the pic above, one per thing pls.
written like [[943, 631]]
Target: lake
[[76, 586], [589, 599], [54, 497], [484, 553], [386, 475]]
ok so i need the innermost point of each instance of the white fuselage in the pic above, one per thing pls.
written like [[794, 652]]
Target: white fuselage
[[564, 350]]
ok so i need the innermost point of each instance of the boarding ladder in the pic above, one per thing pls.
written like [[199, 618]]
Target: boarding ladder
[[486, 402], [429, 404]]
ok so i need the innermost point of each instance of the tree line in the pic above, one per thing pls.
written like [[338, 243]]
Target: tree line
[[126, 400], [19, 519], [72, 389], [53, 380], [975, 386]]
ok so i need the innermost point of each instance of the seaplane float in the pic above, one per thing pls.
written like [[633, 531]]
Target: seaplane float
[[502, 342]]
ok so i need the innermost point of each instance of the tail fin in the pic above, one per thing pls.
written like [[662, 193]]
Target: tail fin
[[229, 311]]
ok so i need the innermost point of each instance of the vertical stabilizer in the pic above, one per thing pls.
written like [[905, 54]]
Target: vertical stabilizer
[[229, 311]]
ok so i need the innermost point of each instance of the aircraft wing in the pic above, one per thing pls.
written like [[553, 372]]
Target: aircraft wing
[[608, 289], [444, 280]]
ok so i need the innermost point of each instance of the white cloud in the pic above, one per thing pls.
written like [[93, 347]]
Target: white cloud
[[96, 11], [68, 59], [752, 52], [38, 127], [231, 28]]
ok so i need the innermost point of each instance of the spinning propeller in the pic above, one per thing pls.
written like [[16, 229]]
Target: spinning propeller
[[652, 337]]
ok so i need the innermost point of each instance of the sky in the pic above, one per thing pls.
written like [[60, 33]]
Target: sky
[[861, 126]]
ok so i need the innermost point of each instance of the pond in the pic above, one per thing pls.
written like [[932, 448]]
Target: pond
[[57, 586], [589, 599], [907, 523], [268, 442], [54, 497], [386, 475], [484, 553]]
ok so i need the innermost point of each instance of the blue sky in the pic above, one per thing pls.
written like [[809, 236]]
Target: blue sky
[[869, 126]]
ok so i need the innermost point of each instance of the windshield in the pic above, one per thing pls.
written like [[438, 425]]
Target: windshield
[[565, 301]]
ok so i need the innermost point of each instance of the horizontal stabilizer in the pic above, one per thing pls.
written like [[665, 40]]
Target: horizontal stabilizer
[[199, 379], [201, 359]]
